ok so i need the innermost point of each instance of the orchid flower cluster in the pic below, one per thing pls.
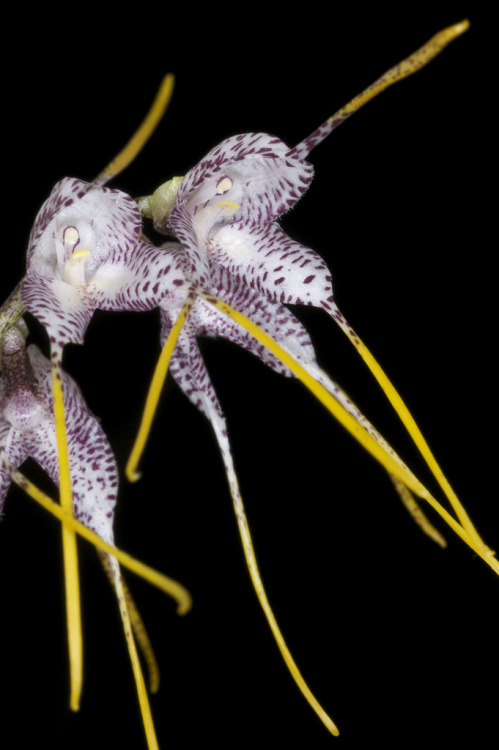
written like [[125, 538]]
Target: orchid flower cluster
[[227, 269]]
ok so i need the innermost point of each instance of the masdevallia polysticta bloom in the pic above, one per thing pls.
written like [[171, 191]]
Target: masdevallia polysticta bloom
[[227, 270]]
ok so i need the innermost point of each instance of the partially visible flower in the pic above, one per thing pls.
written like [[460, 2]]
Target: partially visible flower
[[27, 429]]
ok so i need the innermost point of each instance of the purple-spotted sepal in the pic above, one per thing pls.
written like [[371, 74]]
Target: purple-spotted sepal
[[27, 429]]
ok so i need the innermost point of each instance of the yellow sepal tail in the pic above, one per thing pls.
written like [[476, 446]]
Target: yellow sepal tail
[[70, 553], [154, 393], [142, 134], [349, 422], [168, 585]]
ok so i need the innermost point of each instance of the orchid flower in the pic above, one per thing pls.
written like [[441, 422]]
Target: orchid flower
[[243, 269], [28, 429]]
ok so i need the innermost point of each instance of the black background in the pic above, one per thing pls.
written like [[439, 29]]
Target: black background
[[396, 637]]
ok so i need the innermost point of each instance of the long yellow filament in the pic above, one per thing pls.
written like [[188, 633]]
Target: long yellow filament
[[412, 428], [251, 562], [166, 584], [129, 614], [131, 620], [143, 641], [249, 554], [348, 421], [138, 627], [416, 513], [70, 554], [407, 67], [145, 709], [154, 393], [142, 134]]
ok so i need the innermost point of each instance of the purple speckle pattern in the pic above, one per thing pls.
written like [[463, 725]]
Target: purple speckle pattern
[[261, 171], [226, 211], [63, 310], [111, 216], [87, 251], [187, 366], [277, 266], [144, 275], [123, 272], [303, 149], [27, 428], [228, 242]]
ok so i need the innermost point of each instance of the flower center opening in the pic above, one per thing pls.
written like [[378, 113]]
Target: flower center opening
[[73, 260], [207, 209]]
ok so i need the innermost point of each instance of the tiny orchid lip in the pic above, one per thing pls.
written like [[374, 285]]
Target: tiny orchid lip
[[74, 268]]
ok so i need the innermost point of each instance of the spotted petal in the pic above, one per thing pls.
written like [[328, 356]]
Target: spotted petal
[[28, 429], [275, 319], [266, 259], [64, 310], [140, 278], [195, 262]]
